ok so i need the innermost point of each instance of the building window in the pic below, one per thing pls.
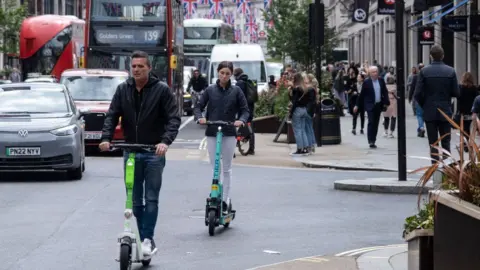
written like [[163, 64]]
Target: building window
[[31, 8], [69, 7], [49, 7]]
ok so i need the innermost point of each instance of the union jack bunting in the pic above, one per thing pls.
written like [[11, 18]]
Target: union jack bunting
[[250, 24], [230, 18], [190, 7], [208, 15], [203, 2], [243, 6], [216, 6], [238, 34], [254, 37], [267, 4]]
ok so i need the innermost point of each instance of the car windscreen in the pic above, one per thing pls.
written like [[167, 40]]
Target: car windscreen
[[36, 101], [92, 88]]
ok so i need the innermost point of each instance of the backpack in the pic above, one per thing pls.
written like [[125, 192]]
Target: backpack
[[251, 90]]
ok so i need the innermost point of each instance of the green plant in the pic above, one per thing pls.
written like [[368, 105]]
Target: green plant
[[282, 99], [423, 220], [462, 175], [264, 105]]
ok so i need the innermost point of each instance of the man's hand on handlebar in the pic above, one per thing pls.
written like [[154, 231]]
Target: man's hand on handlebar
[[202, 121], [161, 149], [104, 146]]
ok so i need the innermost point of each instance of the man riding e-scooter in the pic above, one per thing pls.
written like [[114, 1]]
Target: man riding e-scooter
[[199, 84]]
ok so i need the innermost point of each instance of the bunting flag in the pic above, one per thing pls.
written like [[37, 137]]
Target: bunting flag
[[216, 6], [238, 34], [254, 37], [230, 18], [267, 4], [243, 6], [208, 15], [203, 2], [250, 24], [190, 7]]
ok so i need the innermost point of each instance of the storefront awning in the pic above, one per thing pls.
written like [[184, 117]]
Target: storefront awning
[[450, 10], [430, 14]]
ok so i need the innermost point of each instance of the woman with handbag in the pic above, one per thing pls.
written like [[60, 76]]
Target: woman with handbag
[[390, 115], [468, 93]]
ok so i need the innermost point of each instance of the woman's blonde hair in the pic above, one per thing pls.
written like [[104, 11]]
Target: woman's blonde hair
[[299, 81], [313, 81], [467, 79]]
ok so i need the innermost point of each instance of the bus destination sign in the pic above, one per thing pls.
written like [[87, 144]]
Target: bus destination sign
[[137, 36]]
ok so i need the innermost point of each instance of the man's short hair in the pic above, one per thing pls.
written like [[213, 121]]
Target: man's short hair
[[141, 54], [437, 52], [237, 71]]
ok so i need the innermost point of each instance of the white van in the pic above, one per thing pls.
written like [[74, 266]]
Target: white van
[[248, 57]]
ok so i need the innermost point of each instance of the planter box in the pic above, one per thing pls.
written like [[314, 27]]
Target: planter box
[[420, 250], [268, 124], [457, 233]]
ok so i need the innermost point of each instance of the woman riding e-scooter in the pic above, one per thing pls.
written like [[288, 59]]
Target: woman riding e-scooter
[[224, 102]]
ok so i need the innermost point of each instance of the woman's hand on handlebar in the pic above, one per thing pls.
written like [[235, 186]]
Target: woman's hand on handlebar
[[104, 146], [202, 121], [238, 123]]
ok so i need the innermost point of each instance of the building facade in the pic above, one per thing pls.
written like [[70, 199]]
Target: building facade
[[376, 40]]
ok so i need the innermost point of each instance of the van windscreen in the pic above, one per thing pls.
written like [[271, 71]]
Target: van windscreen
[[254, 69]]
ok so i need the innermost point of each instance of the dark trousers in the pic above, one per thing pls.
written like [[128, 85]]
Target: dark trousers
[[434, 129], [387, 123], [373, 121], [360, 113], [148, 173]]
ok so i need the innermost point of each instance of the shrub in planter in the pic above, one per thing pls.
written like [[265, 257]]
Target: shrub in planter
[[264, 105], [457, 203], [418, 232]]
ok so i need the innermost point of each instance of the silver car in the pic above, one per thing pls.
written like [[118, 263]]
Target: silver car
[[40, 129]]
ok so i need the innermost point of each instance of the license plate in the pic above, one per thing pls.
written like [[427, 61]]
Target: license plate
[[93, 135], [23, 151]]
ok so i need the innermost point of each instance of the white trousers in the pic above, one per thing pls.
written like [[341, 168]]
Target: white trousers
[[228, 149]]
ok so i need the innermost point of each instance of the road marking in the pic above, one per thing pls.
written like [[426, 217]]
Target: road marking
[[354, 252], [279, 263], [203, 144], [313, 260], [190, 119]]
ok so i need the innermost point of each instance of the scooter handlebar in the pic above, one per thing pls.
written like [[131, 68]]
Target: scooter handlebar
[[133, 147], [220, 123]]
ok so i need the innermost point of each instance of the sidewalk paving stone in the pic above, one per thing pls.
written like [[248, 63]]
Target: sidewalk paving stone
[[380, 259], [383, 185], [354, 153]]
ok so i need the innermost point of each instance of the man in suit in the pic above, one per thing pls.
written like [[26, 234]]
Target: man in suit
[[436, 85], [373, 99]]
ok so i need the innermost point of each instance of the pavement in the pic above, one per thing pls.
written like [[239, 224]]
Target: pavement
[[282, 214], [354, 153]]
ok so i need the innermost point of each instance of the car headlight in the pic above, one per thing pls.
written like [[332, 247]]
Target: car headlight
[[65, 131]]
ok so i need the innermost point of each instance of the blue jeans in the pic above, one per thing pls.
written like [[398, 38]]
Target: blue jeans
[[420, 121], [299, 122], [310, 132], [148, 171]]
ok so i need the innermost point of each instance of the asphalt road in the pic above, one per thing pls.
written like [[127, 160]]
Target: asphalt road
[[48, 223]]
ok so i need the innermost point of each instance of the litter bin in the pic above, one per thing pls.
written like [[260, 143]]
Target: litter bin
[[330, 123]]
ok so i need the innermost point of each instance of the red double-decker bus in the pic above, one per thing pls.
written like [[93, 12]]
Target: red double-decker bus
[[116, 28], [50, 44]]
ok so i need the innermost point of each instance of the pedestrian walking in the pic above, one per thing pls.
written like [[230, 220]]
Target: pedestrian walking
[[373, 99], [436, 85], [354, 93], [418, 109], [468, 93], [300, 98], [390, 116]]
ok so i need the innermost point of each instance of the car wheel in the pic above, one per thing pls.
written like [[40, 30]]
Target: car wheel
[[75, 174]]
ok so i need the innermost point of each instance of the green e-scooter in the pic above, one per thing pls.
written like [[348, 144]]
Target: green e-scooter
[[129, 242], [214, 212]]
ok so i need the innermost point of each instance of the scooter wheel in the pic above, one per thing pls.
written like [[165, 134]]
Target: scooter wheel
[[125, 261], [211, 222], [146, 262]]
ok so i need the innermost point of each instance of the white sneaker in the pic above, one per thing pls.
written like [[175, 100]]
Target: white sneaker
[[147, 247]]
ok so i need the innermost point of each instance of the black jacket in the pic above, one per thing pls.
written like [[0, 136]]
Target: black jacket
[[158, 120], [223, 105], [198, 84], [436, 85]]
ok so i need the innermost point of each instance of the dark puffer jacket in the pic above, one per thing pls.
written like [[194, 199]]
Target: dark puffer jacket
[[223, 105]]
